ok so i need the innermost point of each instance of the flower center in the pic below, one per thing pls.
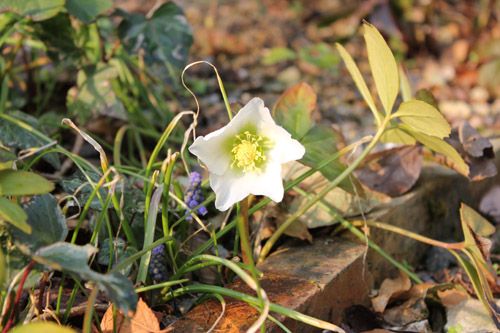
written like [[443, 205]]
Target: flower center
[[248, 152]]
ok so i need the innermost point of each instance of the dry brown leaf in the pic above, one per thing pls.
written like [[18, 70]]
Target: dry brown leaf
[[452, 297], [143, 321], [390, 289], [393, 171]]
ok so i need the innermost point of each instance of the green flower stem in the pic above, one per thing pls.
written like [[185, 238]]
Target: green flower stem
[[87, 319], [410, 234], [167, 170], [253, 301], [166, 284], [277, 234]]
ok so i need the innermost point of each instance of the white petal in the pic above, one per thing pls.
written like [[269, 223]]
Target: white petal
[[285, 149], [253, 113], [233, 187], [209, 149]]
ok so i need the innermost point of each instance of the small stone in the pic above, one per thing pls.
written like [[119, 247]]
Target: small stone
[[481, 108], [479, 94], [495, 107], [289, 75], [455, 109], [469, 316]]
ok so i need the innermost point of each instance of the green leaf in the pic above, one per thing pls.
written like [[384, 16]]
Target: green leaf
[[15, 215], [358, 79], [473, 222], [38, 10], [165, 37], [94, 94], [321, 142], [47, 222], [405, 86], [42, 327], [277, 55], [16, 182], [87, 10], [423, 117], [73, 259], [22, 137], [320, 55], [396, 135], [3, 269], [294, 108], [440, 146], [383, 66]]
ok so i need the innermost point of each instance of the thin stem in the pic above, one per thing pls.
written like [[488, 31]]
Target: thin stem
[[277, 234], [244, 233], [87, 319], [410, 234], [19, 292]]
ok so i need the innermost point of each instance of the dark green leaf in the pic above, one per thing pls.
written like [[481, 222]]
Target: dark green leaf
[[38, 10], [94, 94], [58, 36], [17, 137], [47, 222], [165, 37], [73, 259], [15, 215], [17, 182], [294, 108], [87, 10], [320, 143]]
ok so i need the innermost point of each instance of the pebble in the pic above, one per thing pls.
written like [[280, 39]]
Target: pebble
[[479, 94], [455, 109]]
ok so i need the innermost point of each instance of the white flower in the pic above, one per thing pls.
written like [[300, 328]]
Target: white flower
[[245, 156]]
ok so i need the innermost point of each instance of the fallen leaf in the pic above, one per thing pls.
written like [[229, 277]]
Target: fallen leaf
[[390, 289], [469, 315], [393, 171], [476, 151], [490, 204], [452, 297], [143, 321]]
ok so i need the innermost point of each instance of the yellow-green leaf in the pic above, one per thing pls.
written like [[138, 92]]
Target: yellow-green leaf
[[358, 79], [14, 182], [42, 327], [396, 135], [3, 269], [440, 146], [383, 66], [423, 117], [404, 85], [14, 214], [477, 224]]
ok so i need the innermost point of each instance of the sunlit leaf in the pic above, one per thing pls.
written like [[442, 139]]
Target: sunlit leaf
[[3, 269], [405, 86], [13, 214], [397, 135], [358, 79], [440, 146], [423, 117], [383, 66], [294, 108], [47, 222], [42, 327], [73, 259], [17, 182], [87, 10], [37, 10]]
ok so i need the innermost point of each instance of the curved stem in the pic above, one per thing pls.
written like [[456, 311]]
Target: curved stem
[[277, 234], [410, 234]]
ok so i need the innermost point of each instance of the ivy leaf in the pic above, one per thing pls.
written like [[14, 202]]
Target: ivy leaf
[[47, 223], [86, 11], [294, 108], [37, 10], [73, 259], [423, 117], [358, 79], [383, 66], [165, 37], [42, 327], [14, 214], [17, 182]]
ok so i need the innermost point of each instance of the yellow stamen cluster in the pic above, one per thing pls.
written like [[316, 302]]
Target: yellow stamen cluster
[[248, 153]]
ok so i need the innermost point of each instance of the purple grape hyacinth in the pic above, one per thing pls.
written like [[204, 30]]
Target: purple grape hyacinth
[[157, 266], [194, 195]]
